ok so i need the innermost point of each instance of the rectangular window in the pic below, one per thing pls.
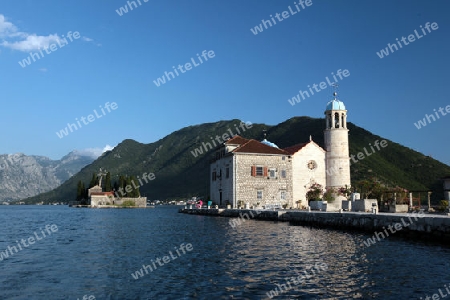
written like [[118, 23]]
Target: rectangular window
[[283, 158], [282, 194], [227, 172], [283, 173], [214, 176], [259, 194], [259, 171], [272, 173]]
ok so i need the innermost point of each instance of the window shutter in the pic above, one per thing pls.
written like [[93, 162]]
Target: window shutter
[[265, 171], [253, 171]]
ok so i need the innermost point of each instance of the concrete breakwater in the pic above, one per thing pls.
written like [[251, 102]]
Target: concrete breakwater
[[413, 225]]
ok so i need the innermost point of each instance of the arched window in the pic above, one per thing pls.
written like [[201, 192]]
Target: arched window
[[336, 120]]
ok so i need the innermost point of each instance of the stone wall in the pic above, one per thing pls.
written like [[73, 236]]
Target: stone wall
[[335, 205], [222, 183], [415, 225], [398, 208], [138, 202], [99, 201], [248, 185], [316, 205], [364, 205]]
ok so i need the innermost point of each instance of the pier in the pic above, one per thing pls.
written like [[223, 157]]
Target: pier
[[416, 225]]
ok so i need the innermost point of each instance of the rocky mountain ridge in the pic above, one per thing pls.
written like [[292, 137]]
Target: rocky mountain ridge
[[23, 176]]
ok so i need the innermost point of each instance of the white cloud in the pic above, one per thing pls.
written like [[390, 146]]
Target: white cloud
[[16, 40], [7, 28], [89, 40], [94, 152], [32, 42], [107, 148]]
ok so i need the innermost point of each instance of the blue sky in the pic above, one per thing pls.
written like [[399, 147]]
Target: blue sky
[[251, 77]]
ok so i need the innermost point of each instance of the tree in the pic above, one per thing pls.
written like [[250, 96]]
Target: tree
[[94, 180], [135, 193], [108, 187], [80, 191], [122, 185], [128, 184]]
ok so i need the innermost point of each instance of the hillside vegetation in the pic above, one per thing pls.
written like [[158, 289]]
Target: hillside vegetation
[[179, 174]]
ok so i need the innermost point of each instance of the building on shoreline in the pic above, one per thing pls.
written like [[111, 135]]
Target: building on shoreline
[[97, 198], [246, 172]]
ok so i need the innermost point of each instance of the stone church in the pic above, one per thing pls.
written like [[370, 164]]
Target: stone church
[[247, 172]]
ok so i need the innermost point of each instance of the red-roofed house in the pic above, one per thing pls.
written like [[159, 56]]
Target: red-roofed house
[[252, 172]]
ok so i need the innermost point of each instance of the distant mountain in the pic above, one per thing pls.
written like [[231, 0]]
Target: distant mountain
[[23, 176], [180, 174]]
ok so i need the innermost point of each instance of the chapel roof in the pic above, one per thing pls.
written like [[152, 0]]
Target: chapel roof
[[294, 149], [236, 140], [254, 146], [335, 104]]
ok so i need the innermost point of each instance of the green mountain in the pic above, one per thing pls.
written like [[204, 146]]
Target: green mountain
[[180, 174]]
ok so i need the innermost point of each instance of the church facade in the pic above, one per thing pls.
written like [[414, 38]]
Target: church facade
[[247, 172]]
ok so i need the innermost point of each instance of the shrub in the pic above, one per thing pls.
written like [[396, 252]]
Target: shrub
[[443, 204], [315, 192], [128, 203], [329, 195]]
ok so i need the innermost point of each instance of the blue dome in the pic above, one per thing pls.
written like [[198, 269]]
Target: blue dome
[[269, 143], [335, 105]]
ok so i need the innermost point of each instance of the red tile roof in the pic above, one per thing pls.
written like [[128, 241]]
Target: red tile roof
[[295, 148], [236, 140], [253, 146], [102, 193]]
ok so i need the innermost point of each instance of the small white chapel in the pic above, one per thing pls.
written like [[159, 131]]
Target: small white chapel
[[247, 172]]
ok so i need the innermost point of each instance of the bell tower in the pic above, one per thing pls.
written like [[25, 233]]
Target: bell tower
[[336, 144]]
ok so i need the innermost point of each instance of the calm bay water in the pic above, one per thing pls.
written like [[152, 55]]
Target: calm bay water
[[95, 251]]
